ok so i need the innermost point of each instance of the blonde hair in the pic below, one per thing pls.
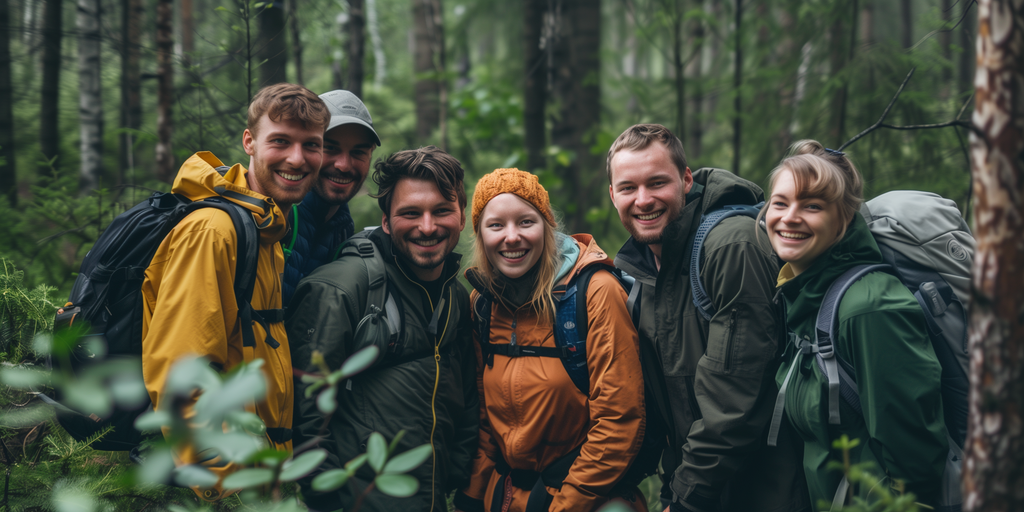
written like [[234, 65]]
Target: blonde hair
[[830, 177], [541, 300]]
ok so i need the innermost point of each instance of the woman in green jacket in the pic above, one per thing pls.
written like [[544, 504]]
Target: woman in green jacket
[[813, 225]]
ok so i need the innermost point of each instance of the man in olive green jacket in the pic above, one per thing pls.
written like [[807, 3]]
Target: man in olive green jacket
[[715, 381], [425, 379]]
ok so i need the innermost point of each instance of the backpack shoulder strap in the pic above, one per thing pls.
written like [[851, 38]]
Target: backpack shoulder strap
[[571, 325], [482, 323], [839, 372], [245, 271], [707, 223], [378, 297]]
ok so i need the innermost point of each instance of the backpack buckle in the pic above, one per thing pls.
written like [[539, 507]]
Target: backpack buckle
[[365, 250]]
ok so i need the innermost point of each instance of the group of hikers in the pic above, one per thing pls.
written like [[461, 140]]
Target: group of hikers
[[550, 385]]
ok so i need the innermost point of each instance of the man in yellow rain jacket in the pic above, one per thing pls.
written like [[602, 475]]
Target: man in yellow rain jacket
[[189, 306]]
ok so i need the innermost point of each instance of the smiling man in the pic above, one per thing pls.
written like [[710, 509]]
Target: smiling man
[[189, 304], [716, 377], [424, 382], [321, 223]]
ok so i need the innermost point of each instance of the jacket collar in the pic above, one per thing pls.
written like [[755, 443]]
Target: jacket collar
[[199, 179], [315, 207]]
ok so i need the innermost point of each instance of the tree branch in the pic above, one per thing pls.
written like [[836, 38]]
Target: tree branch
[[956, 122]]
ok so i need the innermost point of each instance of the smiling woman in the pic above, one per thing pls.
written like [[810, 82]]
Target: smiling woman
[[880, 338], [538, 419]]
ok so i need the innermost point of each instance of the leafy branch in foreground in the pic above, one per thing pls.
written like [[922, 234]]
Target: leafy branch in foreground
[[862, 474]]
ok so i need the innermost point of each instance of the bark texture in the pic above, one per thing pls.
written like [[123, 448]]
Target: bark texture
[[356, 46], [271, 48], [49, 135], [131, 84], [994, 468], [577, 79], [90, 96], [428, 62], [535, 84], [164, 91], [8, 178]]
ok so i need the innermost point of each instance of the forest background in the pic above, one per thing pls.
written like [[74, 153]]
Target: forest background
[[101, 100]]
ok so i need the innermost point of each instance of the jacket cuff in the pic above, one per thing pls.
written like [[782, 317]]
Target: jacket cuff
[[696, 502], [467, 504]]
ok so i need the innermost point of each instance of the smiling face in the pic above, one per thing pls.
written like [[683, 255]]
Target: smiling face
[[648, 191], [285, 159], [347, 152], [424, 225], [800, 228], [512, 234]]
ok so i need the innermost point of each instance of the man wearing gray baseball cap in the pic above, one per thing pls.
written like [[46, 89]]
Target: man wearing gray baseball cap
[[321, 223]]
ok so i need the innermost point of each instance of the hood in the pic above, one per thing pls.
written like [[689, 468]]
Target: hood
[[722, 188], [199, 179], [805, 292], [589, 254]]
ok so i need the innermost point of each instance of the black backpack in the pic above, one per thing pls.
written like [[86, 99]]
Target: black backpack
[[107, 295], [571, 340]]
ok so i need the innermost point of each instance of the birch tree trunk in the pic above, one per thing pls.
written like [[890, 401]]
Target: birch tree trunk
[[994, 469], [131, 84], [356, 46], [379, 59], [165, 170], [49, 135], [90, 97], [8, 177]]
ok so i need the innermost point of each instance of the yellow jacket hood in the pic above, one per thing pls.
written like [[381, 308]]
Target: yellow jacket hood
[[199, 179]]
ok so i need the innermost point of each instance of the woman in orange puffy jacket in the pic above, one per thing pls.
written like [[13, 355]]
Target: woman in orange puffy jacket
[[545, 443]]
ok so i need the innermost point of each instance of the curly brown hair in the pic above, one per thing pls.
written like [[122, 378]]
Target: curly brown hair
[[426, 163]]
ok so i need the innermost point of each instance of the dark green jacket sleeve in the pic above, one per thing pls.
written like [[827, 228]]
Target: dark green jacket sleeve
[[734, 382], [898, 377], [321, 317]]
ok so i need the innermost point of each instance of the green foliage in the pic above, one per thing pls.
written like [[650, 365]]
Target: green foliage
[[23, 313], [881, 496]]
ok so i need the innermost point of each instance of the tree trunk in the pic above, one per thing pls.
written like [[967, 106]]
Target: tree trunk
[[271, 49], [165, 170], [131, 85], [90, 96], [994, 469], [678, 12], [946, 43], [293, 20], [428, 59], [535, 85], [8, 177], [737, 122], [577, 87], [906, 23], [356, 46], [379, 59], [841, 57], [188, 45], [49, 135], [965, 75], [694, 147]]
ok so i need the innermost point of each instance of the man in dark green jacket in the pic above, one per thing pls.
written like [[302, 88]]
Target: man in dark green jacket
[[425, 380], [715, 381]]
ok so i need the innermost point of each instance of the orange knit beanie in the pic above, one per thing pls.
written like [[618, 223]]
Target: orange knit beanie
[[513, 181]]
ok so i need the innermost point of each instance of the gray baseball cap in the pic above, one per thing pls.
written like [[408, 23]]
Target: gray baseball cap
[[346, 108]]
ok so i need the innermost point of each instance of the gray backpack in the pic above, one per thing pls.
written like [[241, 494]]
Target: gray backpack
[[927, 245]]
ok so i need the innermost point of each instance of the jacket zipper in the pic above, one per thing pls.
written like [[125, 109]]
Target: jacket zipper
[[728, 340], [437, 373]]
